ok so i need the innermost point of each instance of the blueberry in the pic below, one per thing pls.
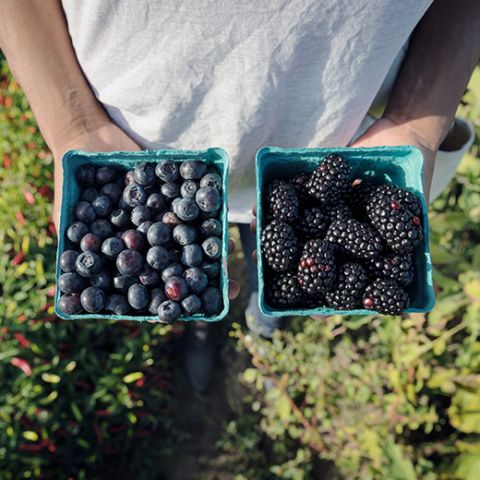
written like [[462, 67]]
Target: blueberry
[[124, 282], [101, 280], [149, 277], [144, 226], [191, 305], [72, 283], [159, 234], [133, 239], [174, 203], [138, 296], [85, 212], [92, 299], [134, 195], [169, 218], [102, 228], [157, 296], [117, 304], [156, 202], [120, 218], [196, 279], [212, 301], [211, 228], [188, 189], [129, 177], [170, 190], [85, 175], [193, 169], [112, 246], [67, 260], [212, 248], [102, 206], [89, 195], [192, 255], [90, 242], [168, 311], [140, 214], [176, 288], [184, 234], [211, 269], [173, 270], [144, 174], [88, 263], [106, 175], [167, 171], [70, 304], [113, 191], [129, 262], [76, 231], [213, 180], [186, 209], [157, 257], [208, 199]]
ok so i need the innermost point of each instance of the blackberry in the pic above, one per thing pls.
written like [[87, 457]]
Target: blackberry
[[405, 198], [282, 202], [279, 246], [299, 183], [358, 197], [317, 270], [284, 291], [314, 223], [355, 239], [347, 295], [399, 227], [385, 296], [338, 211], [395, 267], [331, 180]]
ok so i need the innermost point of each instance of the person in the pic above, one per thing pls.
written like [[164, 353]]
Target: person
[[123, 75]]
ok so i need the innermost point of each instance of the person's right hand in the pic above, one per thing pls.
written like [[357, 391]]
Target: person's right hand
[[105, 138]]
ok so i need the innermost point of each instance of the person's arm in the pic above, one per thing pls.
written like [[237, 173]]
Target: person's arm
[[443, 51], [36, 43]]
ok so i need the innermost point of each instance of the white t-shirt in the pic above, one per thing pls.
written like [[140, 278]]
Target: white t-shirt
[[239, 74]]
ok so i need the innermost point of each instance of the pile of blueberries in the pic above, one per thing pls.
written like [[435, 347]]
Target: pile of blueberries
[[145, 242]]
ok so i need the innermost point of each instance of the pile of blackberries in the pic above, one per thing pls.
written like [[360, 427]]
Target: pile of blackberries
[[145, 242], [332, 241]]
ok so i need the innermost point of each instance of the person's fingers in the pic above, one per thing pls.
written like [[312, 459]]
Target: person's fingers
[[254, 210], [231, 246], [233, 289], [253, 225], [254, 256]]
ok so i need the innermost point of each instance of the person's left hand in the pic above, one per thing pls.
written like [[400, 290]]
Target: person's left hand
[[386, 132]]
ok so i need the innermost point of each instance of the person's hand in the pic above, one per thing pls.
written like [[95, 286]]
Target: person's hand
[[106, 138], [386, 132]]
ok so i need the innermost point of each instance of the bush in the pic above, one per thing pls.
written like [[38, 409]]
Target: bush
[[77, 399], [383, 397]]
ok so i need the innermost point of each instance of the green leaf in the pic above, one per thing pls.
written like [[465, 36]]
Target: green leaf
[[132, 377], [399, 467], [464, 411], [30, 435], [51, 378], [467, 466]]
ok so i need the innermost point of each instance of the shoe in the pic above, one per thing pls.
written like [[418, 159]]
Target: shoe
[[258, 323], [198, 351]]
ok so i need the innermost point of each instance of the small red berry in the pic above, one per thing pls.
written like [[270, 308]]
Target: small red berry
[[309, 261], [367, 302], [323, 167], [416, 221], [395, 205]]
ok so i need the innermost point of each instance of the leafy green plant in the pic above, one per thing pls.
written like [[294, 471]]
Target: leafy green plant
[[77, 399]]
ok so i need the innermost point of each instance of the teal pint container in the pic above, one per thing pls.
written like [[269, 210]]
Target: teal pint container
[[400, 166], [125, 161]]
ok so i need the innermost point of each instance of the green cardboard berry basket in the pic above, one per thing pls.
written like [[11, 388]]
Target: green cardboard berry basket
[[124, 161], [400, 166]]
